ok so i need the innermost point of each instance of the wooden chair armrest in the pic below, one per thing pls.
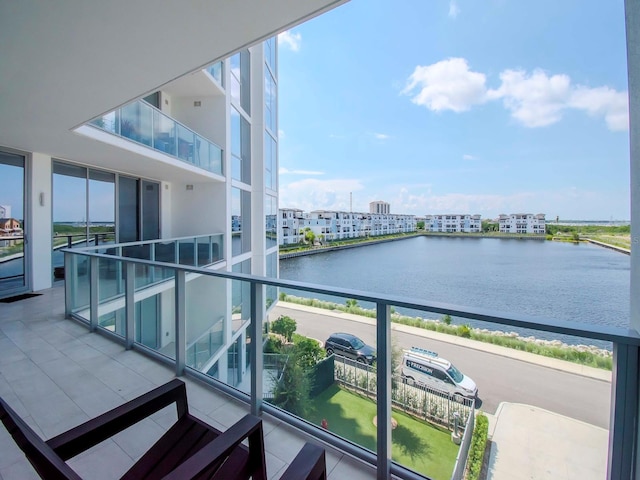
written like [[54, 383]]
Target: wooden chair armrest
[[84, 436], [249, 427], [309, 464]]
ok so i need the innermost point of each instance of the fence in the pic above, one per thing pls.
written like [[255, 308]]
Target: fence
[[463, 452], [429, 404]]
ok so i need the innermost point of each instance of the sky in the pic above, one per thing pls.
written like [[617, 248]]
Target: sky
[[457, 106]]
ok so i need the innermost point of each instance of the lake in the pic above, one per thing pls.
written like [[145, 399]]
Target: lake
[[556, 280]]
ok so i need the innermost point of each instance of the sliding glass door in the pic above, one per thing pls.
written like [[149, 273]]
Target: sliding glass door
[[12, 207]]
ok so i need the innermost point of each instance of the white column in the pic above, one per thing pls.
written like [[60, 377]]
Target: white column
[[39, 227]]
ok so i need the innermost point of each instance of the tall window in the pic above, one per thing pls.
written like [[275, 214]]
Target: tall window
[[240, 221], [271, 220], [240, 84], [240, 147]]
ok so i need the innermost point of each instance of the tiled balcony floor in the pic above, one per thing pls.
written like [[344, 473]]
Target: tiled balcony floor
[[56, 374]]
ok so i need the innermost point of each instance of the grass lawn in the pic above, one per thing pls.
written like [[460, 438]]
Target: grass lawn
[[417, 445]]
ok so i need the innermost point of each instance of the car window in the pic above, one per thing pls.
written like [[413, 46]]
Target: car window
[[357, 343], [455, 374]]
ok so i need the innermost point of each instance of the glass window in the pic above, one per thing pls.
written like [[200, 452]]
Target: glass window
[[270, 161], [271, 221], [240, 221], [270, 52], [272, 271], [270, 100], [240, 84], [240, 148]]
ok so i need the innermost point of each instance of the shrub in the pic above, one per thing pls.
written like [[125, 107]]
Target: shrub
[[463, 331], [285, 326], [478, 445], [447, 319]]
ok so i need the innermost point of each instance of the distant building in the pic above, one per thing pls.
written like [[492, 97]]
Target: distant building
[[5, 211], [329, 225], [453, 223], [380, 207], [10, 226], [519, 223]]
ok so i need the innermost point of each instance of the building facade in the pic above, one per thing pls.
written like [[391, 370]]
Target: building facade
[[453, 223], [520, 223], [380, 207]]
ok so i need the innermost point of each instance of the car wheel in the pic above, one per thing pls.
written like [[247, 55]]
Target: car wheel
[[361, 360], [329, 351]]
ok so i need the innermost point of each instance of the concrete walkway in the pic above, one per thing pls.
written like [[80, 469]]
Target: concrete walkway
[[532, 443]]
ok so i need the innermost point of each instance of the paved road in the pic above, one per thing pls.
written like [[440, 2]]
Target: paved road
[[499, 379]]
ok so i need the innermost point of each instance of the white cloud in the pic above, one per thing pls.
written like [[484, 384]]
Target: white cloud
[[284, 171], [315, 194], [613, 105], [446, 85], [281, 134], [454, 10], [466, 156], [290, 40], [534, 99], [381, 136]]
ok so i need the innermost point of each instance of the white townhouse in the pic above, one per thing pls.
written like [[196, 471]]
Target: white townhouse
[[453, 223], [520, 223], [291, 222]]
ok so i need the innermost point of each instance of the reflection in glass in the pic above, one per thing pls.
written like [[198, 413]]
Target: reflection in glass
[[12, 268]]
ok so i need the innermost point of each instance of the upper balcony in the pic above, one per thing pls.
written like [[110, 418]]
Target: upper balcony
[[148, 126]]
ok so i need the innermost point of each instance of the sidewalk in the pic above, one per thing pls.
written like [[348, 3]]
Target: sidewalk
[[532, 443]]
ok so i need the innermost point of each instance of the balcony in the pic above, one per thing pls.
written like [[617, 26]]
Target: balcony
[[107, 292], [148, 126]]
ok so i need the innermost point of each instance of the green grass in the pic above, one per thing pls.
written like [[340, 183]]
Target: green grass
[[415, 444]]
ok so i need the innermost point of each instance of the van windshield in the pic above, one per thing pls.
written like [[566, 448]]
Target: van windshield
[[455, 374]]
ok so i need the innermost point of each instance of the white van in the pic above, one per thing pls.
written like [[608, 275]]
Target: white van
[[425, 368]]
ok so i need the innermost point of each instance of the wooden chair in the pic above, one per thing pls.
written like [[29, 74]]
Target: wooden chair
[[189, 449]]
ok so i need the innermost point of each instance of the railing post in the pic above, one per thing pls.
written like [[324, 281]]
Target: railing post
[[624, 424], [129, 304], [70, 283], [93, 293], [255, 329], [181, 328], [383, 337]]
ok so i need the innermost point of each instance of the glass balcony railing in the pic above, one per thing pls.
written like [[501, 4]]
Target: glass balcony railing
[[377, 406], [146, 125], [217, 72]]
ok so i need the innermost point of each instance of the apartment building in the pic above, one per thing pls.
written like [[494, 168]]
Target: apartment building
[[522, 223], [453, 223], [379, 207], [193, 158], [333, 225]]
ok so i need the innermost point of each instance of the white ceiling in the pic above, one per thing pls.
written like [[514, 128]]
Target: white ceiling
[[63, 63]]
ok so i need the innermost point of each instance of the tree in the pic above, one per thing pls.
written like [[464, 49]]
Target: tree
[[291, 393], [309, 236], [420, 225], [308, 352], [284, 326]]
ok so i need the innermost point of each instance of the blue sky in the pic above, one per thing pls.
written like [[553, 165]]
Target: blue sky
[[461, 106]]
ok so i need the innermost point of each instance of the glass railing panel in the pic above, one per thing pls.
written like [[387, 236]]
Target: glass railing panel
[[186, 140], [165, 252], [109, 122], [110, 279], [208, 329], [215, 71], [204, 251], [155, 316], [164, 133], [136, 122], [216, 247], [187, 251], [240, 304], [215, 159], [77, 283], [201, 152]]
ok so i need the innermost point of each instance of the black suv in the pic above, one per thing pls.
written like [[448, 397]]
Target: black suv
[[350, 346]]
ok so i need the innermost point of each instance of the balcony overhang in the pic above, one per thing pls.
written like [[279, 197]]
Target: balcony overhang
[[65, 63]]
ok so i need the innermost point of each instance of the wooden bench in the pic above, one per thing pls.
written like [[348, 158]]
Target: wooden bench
[[189, 449]]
